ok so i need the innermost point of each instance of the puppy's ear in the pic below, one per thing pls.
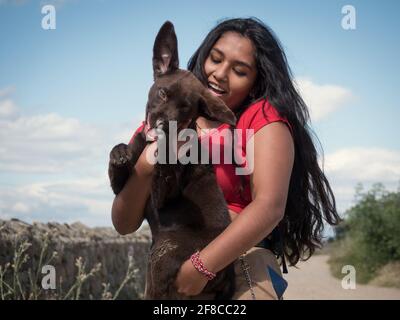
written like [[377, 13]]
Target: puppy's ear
[[165, 51], [216, 108]]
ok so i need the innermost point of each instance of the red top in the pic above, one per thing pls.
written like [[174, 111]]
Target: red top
[[229, 182]]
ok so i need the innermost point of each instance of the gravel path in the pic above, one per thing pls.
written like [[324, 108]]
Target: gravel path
[[312, 280]]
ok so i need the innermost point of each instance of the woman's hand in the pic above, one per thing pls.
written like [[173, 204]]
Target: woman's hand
[[189, 281]]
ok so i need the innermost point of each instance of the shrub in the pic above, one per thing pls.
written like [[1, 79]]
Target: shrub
[[369, 236]]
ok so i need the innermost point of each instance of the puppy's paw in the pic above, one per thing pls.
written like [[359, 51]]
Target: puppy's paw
[[120, 166], [121, 155]]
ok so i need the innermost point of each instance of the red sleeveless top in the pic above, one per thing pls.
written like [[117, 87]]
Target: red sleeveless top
[[227, 178]]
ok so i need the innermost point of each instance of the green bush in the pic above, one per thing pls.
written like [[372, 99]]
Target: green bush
[[369, 236]]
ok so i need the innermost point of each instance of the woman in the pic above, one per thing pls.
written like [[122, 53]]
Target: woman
[[242, 62]]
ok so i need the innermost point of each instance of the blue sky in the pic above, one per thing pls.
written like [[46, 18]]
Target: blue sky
[[68, 95]]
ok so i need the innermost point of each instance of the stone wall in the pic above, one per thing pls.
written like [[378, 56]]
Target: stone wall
[[94, 245]]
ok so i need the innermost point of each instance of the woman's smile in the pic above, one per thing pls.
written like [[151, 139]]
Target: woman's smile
[[216, 89]]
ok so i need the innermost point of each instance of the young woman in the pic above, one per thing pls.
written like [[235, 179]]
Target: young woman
[[279, 208]]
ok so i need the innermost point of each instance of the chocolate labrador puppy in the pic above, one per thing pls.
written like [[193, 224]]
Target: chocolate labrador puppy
[[186, 209]]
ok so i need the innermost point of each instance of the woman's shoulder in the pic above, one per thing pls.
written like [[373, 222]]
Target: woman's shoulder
[[259, 109], [137, 131], [259, 114]]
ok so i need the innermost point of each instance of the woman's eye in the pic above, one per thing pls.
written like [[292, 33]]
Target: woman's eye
[[215, 60], [240, 73]]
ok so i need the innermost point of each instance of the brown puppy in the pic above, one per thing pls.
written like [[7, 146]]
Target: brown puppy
[[186, 209]]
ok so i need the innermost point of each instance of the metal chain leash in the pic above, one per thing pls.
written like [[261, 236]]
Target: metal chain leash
[[246, 268]]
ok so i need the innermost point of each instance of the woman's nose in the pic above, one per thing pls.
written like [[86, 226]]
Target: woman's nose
[[221, 73]]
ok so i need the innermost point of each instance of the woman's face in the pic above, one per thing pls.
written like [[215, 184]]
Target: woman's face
[[231, 68]]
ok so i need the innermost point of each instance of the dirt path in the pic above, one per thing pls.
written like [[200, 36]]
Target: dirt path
[[313, 281]]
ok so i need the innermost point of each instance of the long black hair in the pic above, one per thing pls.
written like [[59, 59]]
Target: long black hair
[[310, 198]]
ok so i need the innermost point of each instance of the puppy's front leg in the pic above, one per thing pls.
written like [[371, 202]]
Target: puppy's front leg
[[123, 157]]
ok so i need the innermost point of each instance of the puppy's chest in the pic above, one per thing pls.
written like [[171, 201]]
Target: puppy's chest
[[170, 181]]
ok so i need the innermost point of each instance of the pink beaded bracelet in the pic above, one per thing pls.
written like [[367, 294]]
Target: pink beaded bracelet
[[198, 264]]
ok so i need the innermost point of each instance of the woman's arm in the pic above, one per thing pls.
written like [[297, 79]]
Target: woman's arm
[[273, 163], [128, 206]]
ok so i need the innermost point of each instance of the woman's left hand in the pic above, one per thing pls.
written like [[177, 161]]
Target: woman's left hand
[[189, 281]]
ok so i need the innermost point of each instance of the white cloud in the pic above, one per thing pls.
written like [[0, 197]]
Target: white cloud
[[7, 90], [49, 143], [87, 200], [322, 100], [366, 164], [20, 208], [8, 110], [347, 167], [55, 168]]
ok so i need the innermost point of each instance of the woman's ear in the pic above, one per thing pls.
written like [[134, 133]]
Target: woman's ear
[[165, 51], [215, 108]]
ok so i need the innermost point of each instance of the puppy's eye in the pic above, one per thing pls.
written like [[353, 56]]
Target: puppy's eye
[[162, 94], [185, 108]]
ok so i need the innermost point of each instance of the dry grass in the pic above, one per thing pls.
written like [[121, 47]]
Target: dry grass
[[388, 276], [11, 286]]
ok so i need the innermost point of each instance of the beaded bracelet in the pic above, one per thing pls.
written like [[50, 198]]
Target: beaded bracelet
[[198, 264]]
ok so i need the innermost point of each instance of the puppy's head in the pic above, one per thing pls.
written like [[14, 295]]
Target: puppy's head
[[177, 95]]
